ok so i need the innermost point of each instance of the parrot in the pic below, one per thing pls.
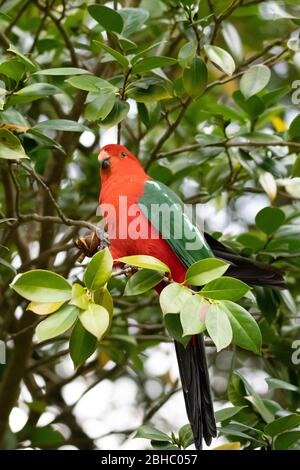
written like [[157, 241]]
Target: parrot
[[123, 178]]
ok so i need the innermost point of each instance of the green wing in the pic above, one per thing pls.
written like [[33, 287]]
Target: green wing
[[165, 210]]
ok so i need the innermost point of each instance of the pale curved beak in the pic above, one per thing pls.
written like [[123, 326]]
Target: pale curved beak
[[104, 160]]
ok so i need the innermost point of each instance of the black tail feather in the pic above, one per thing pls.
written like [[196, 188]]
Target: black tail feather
[[247, 270], [196, 388]]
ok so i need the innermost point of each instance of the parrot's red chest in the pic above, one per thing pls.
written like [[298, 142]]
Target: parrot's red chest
[[130, 232]]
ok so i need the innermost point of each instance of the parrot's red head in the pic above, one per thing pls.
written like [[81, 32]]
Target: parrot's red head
[[116, 160]]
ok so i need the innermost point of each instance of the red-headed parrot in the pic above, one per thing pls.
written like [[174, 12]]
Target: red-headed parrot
[[126, 188]]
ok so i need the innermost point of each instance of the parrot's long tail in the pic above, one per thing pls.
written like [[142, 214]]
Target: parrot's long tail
[[196, 389]]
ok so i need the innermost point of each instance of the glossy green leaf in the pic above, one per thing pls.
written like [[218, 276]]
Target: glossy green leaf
[[120, 58], [274, 384], [185, 435], [95, 319], [98, 270], [57, 323], [82, 344], [133, 20], [294, 129], [26, 61], [150, 89], [42, 286], [149, 432], [142, 281], [91, 83], [195, 77], [34, 92], [62, 71], [119, 112], [10, 146], [233, 40], [100, 107], [79, 297], [145, 261], [187, 53], [173, 297], [61, 125], [246, 332], [282, 424], [218, 326], [221, 58], [192, 315], [254, 80], [269, 219], [225, 288], [108, 18], [227, 413], [150, 63], [204, 271], [286, 440]]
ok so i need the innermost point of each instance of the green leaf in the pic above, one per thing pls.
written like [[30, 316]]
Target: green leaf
[[149, 89], [42, 286], [225, 288], [186, 437], [100, 107], [255, 400], [286, 440], [108, 18], [187, 53], [57, 323], [251, 241], [61, 125], [254, 80], [121, 59], [117, 114], [174, 328], [133, 19], [26, 61], [173, 297], [204, 271], [195, 77], [294, 129], [145, 261], [82, 344], [79, 297], [221, 58], [149, 432], [233, 40], [142, 281], [269, 219], [274, 384], [218, 327], [150, 63], [192, 315], [91, 83], [96, 320], [227, 413], [62, 71], [45, 436], [10, 146], [103, 297], [98, 270], [246, 332], [34, 92], [285, 423]]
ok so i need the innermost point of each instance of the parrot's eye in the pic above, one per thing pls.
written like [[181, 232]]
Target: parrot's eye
[[123, 154]]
